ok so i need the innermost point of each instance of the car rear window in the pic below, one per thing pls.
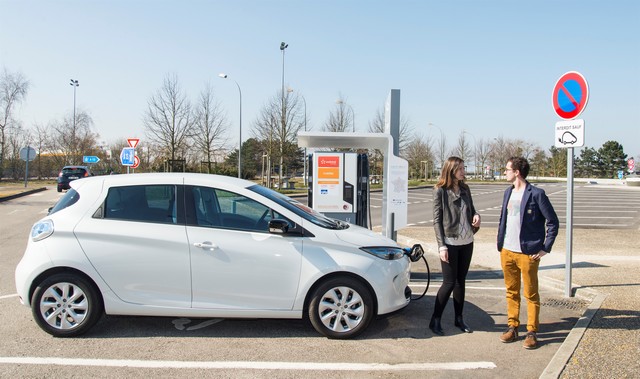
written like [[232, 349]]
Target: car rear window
[[74, 171], [69, 198]]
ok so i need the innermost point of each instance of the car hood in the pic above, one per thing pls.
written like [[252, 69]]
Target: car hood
[[360, 237]]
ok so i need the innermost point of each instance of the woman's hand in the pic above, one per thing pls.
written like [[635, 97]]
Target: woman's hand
[[475, 222], [444, 255]]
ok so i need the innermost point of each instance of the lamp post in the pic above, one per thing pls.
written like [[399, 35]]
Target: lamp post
[[283, 46], [353, 115], [225, 76], [74, 84]]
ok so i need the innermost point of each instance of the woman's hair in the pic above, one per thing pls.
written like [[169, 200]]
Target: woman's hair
[[448, 173]]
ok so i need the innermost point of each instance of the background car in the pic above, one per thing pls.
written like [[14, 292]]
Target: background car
[[196, 245], [69, 173]]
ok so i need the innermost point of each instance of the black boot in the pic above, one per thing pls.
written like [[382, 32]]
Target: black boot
[[462, 325], [435, 326]]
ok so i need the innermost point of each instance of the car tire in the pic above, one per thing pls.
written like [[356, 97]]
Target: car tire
[[66, 305], [341, 308], [59, 189]]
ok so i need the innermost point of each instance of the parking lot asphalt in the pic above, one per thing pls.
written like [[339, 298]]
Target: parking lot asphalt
[[594, 334]]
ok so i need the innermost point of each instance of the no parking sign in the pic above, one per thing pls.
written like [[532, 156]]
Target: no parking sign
[[570, 95]]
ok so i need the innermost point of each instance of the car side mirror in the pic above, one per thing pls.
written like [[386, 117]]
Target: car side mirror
[[278, 226]]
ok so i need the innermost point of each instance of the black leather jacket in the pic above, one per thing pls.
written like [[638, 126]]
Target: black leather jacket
[[447, 212]]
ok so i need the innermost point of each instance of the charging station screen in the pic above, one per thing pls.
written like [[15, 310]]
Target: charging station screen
[[331, 182]]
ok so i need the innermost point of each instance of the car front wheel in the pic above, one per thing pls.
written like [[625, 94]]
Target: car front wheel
[[66, 305], [341, 308]]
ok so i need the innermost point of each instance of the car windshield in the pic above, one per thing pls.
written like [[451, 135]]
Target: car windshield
[[300, 209]]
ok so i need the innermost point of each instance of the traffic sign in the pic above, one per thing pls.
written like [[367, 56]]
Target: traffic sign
[[570, 133], [570, 95], [631, 165], [136, 162], [27, 153], [90, 159], [133, 142], [127, 156]]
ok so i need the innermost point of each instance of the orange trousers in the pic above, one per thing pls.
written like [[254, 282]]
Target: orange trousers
[[516, 266]]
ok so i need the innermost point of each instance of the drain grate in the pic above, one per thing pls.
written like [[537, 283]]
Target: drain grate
[[572, 304]]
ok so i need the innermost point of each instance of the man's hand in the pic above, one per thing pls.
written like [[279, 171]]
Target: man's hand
[[540, 254]]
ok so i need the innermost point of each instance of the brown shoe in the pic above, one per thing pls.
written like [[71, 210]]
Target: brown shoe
[[511, 335], [530, 341]]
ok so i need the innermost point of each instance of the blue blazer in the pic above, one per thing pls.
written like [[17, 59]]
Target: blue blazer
[[538, 221]]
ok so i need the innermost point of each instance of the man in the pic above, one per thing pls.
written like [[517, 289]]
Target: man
[[527, 229]]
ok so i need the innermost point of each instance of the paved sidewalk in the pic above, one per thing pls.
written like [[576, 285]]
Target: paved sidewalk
[[606, 263]]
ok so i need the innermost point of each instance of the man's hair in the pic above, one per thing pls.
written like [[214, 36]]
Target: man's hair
[[520, 164]]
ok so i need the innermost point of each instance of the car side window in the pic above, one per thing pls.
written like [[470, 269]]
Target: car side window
[[223, 209], [147, 203]]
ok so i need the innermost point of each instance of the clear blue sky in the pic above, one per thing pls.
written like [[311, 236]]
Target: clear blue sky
[[487, 67]]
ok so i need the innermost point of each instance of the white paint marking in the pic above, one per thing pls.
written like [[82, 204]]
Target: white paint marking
[[8, 296], [303, 366]]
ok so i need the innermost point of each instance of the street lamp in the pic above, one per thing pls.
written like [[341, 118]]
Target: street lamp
[[283, 45], [74, 84], [353, 115], [224, 76]]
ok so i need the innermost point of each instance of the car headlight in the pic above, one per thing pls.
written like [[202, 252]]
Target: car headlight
[[41, 230], [384, 252]]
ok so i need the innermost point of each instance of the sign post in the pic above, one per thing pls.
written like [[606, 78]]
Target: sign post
[[27, 154], [569, 98]]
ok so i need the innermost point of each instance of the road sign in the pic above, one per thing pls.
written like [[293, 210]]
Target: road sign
[[127, 156], [631, 165], [27, 153], [90, 159], [570, 95], [133, 142], [136, 162], [570, 133]]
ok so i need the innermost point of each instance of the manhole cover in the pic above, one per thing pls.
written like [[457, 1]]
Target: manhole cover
[[572, 304]]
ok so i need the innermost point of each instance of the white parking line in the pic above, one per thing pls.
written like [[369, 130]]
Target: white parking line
[[302, 366], [8, 296]]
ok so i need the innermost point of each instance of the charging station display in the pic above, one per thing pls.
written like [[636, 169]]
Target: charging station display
[[334, 177]]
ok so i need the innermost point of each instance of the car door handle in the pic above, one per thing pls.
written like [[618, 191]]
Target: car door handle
[[206, 245]]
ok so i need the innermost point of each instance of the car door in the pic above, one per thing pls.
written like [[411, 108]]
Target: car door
[[137, 243], [236, 263]]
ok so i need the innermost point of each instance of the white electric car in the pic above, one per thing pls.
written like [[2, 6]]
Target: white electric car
[[195, 245]]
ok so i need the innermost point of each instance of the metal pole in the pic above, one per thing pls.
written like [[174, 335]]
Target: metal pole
[[569, 223], [304, 162]]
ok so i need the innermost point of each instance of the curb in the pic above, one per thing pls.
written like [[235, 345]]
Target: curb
[[17, 195]]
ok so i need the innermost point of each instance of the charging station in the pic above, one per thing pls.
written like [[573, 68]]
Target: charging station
[[339, 185]]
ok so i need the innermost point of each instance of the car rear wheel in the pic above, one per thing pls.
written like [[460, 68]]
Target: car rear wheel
[[341, 308], [66, 305]]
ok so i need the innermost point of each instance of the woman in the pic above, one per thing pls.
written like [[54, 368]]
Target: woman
[[455, 220]]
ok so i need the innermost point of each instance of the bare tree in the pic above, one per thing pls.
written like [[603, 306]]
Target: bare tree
[[211, 126], [341, 118], [278, 130], [169, 120], [419, 154], [13, 91], [463, 149], [377, 125], [70, 141]]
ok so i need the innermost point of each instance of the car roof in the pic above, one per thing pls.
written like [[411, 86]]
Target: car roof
[[163, 177]]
